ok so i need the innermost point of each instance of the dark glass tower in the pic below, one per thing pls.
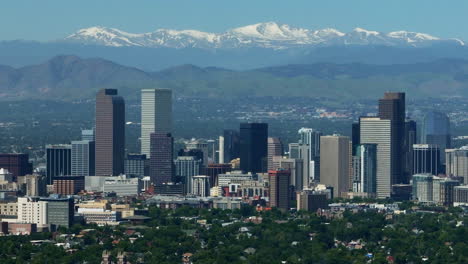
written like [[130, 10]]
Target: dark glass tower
[[58, 161], [253, 147], [161, 159], [436, 131], [392, 107], [231, 145], [355, 137], [410, 140], [110, 133]]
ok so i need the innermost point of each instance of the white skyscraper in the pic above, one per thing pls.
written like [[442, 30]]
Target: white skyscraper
[[156, 115], [379, 131]]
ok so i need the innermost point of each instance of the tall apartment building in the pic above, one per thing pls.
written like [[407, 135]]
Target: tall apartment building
[[335, 163], [110, 133], [156, 115], [375, 130]]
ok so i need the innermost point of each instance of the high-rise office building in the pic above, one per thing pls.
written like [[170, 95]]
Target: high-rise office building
[[275, 148], [436, 131], [293, 152], [392, 107], [310, 140], [58, 161], [457, 163], [311, 137], [426, 159], [253, 147], [295, 167], [82, 158], [355, 136], [60, 211], [185, 168], [231, 146], [375, 130], [365, 169], [213, 170], [110, 133], [279, 189], [156, 115], [88, 134], [161, 160], [17, 164], [199, 145], [335, 163], [137, 165], [410, 140], [33, 185], [221, 149]]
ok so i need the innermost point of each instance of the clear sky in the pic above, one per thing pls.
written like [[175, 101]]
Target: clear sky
[[54, 19]]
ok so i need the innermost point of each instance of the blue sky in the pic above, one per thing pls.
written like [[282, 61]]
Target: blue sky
[[54, 19]]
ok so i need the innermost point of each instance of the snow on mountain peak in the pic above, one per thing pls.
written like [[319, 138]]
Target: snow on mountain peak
[[265, 35], [365, 32]]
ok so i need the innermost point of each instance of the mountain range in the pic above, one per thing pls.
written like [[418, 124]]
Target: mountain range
[[262, 35], [73, 78], [244, 48]]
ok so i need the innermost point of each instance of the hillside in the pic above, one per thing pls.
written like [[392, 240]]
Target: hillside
[[72, 78]]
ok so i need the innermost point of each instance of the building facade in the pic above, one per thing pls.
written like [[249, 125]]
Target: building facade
[[156, 115], [426, 159], [335, 163], [83, 158], [110, 133], [375, 130], [275, 148], [253, 147], [161, 159], [279, 189], [58, 161]]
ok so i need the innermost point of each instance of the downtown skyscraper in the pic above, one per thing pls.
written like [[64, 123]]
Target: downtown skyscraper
[[156, 115], [161, 161], [392, 107], [110, 133], [253, 147]]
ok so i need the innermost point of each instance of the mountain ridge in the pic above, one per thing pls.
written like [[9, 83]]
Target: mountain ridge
[[72, 78], [264, 35]]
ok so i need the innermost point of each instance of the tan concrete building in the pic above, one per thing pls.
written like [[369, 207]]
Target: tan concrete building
[[335, 163]]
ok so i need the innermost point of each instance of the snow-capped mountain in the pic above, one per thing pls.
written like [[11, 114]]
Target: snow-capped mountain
[[264, 35]]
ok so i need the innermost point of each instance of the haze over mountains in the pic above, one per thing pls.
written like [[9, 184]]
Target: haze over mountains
[[243, 48], [73, 78]]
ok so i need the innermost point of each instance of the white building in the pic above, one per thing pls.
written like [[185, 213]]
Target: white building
[[156, 115], [123, 185], [32, 211], [201, 185], [234, 177]]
